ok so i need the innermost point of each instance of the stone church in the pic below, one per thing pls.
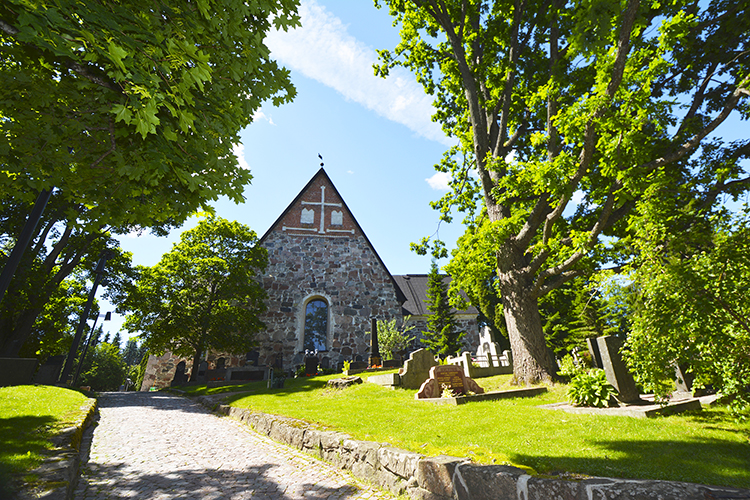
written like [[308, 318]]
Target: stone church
[[325, 282]]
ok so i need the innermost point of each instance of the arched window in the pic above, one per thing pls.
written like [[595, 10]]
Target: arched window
[[316, 325]]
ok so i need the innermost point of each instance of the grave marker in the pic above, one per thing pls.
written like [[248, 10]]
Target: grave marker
[[447, 377], [618, 374]]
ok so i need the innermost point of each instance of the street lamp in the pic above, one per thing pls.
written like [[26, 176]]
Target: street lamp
[[107, 317], [105, 255]]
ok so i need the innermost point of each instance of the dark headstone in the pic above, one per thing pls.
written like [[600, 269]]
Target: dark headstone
[[278, 362], [618, 374], [179, 374], [221, 363], [325, 363], [251, 358], [392, 363], [596, 356], [49, 372], [311, 365], [357, 358], [17, 371], [357, 365], [375, 359]]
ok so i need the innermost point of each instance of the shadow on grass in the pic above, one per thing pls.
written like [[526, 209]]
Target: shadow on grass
[[22, 440], [715, 461], [116, 482]]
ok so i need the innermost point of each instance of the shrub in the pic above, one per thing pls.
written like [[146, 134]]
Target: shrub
[[590, 389]]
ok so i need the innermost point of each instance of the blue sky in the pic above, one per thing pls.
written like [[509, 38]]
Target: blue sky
[[376, 138]]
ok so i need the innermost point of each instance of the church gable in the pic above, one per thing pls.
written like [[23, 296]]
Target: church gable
[[318, 210], [324, 281]]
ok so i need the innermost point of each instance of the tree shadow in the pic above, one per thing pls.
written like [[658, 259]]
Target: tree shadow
[[21, 438], [117, 482], [161, 401], [705, 460]]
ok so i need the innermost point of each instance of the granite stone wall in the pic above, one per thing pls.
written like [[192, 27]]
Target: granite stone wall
[[344, 272]]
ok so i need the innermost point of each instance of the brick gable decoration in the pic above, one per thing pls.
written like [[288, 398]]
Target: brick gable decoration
[[325, 282]]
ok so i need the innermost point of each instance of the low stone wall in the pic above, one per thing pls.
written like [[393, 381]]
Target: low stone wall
[[58, 473], [442, 478]]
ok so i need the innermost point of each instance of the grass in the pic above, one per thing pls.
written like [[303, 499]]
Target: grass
[[29, 416], [707, 447]]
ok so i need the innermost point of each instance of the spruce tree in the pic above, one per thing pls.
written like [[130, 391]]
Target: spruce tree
[[442, 336]]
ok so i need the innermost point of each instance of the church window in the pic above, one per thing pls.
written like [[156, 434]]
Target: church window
[[316, 325]]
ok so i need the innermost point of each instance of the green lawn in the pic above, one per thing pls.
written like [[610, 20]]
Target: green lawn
[[707, 447], [29, 415]]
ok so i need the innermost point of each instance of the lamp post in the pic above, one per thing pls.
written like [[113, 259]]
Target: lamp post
[[107, 317], [105, 255]]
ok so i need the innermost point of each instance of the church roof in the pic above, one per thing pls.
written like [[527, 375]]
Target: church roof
[[294, 204], [415, 287]]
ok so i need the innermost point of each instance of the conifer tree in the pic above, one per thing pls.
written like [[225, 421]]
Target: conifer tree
[[442, 336]]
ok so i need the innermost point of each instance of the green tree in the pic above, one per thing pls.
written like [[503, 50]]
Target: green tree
[[548, 99], [392, 339], [694, 309], [442, 337], [204, 294], [131, 108], [132, 353], [103, 369]]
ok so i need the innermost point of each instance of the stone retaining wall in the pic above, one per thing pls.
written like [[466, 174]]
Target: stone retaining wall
[[442, 478], [58, 473]]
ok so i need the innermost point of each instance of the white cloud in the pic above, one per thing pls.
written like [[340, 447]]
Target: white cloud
[[260, 115], [239, 152], [439, 181], [323, 50]]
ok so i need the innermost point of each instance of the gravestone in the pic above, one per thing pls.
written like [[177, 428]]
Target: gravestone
[[416, 369], [49, 372], [596, 356], [202, 369], [325, 363], [684, 384], [375, 359], [311, 365], [179, 374], [618, 374], [391, 363], [251, 358], [357, 365], [450, 377]]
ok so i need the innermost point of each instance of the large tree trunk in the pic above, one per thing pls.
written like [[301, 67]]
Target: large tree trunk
[[531, 360], [197, 360]]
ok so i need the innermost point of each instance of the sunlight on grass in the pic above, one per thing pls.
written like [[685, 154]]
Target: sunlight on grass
[[29, 415], [707, 447]]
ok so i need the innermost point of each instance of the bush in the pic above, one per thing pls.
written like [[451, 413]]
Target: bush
[[590, 389]]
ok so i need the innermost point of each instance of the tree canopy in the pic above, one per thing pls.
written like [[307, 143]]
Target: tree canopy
[[549, 99], [204, 294], [132, 108]]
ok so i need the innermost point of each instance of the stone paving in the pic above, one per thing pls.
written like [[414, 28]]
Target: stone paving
[[160, 446]]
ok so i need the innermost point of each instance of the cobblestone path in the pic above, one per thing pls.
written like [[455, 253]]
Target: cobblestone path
[[159, 446]]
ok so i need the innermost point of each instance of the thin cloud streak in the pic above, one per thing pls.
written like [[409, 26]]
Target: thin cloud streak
[[323, 50]]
